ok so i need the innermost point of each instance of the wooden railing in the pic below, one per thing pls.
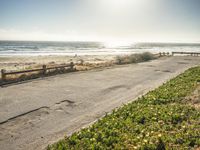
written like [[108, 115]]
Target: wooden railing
[[164, 54], [186, 53], [44, 69]]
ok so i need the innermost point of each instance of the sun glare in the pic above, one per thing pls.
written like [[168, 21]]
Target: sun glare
[[121, 5], [116, 4], [117, 44]]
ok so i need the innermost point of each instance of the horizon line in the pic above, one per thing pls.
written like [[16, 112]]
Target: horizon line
[[99, 41]]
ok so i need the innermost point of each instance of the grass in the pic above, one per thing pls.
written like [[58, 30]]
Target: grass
[[159, 120]]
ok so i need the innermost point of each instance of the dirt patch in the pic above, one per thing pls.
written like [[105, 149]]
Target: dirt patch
[[194, 98], [165, 71], [182, 63], [113, 88], [150, 66]]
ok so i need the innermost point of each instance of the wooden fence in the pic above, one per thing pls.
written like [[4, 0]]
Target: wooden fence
[[186, 53], [164, 53], [44, 70]]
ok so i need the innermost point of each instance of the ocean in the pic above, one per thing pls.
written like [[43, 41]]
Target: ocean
[[30, 48]]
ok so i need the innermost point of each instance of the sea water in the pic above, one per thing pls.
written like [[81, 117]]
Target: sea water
[[32, 48]]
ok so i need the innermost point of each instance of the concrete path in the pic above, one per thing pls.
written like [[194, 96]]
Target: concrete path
[[40, 112]]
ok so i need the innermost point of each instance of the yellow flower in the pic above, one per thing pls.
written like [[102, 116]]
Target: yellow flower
[[135, 147]]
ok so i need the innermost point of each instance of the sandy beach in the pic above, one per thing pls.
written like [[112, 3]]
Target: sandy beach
[[26, 62], [81, 63]]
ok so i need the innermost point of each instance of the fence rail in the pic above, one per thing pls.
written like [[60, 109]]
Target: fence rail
[[187, 53], [44, 70]]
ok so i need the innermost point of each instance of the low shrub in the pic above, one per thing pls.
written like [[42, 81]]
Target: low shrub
[[158, 121], [134, 58]]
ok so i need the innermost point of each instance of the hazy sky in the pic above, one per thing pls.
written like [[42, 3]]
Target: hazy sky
[[129, 20]]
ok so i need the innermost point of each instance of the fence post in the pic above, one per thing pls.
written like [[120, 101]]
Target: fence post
[[44, 67], [3, 75], [71, 65], [167, 53]]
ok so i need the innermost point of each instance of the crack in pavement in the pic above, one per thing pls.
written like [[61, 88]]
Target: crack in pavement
[[47, 109]]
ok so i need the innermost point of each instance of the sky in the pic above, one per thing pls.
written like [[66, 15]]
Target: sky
[[100, 20]]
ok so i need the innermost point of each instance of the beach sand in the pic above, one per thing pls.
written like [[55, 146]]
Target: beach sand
[[28, 62], [82, 63]]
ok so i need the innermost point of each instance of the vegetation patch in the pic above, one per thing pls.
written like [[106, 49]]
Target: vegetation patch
[[159, 120], [135, 58]]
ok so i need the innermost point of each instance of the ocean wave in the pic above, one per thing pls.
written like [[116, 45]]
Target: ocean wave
[[89, 48]]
